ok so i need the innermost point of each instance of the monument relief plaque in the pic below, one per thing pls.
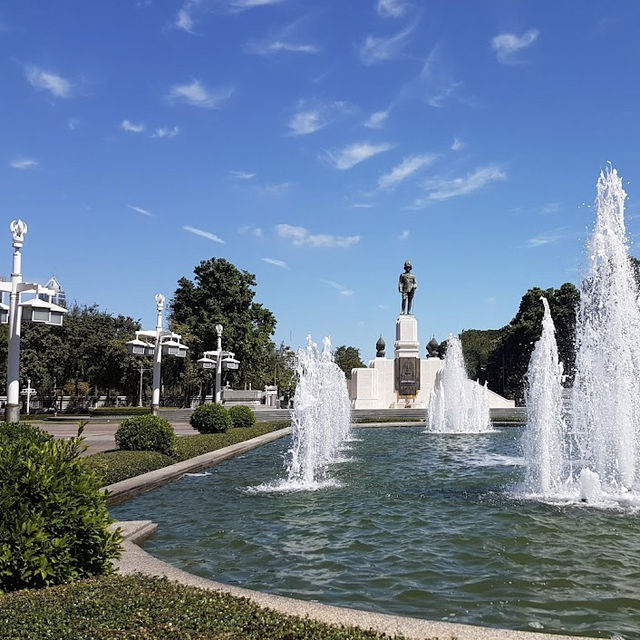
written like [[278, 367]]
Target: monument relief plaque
[[407, 376]]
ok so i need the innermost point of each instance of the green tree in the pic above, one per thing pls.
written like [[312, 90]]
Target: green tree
[[223, 294], [508, 362], [476, 347], [348, 358]]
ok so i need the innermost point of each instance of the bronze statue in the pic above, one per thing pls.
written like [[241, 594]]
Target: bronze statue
[[407, 286]]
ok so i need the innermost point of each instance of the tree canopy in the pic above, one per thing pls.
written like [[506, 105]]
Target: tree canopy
[[220, 293], [348, 358]]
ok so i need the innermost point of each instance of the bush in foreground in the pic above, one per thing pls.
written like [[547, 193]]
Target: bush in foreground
[[53, 518], [135, 607], [242, 416], [210, 418], [146, 433]]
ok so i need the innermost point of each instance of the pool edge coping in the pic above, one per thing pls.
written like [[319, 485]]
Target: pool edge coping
[[136, 560]]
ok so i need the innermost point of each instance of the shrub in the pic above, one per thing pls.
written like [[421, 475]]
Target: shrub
[[210, 418], [25, 431], [146, 433], [54, 523], [120, 411], [242, 416]]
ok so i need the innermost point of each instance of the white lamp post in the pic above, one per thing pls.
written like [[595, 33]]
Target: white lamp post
[[37, 310], [28, 391], [220, 360], [165, 342]]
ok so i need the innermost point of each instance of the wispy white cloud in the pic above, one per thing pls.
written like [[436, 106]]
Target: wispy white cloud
[[242, 175], [309, 119], [443, 188], [197, 95], [404, 234], [507, 45], [406, 168], [165, 132], [361, 205], [376, 49], [544, 239], [52, 82], [24, 163], [304, 123], [300, 236], [242, 5], [341, 289], [391, 8], [376, 120], [271, 47], [354, 154], [204, 234], [127, 125], [276, 263], [256, 232], [274, 190], [73, 123], [550, 208], [457, 144], [184, 20], [140, 210]]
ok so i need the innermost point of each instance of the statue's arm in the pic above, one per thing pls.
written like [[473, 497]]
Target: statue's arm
[[400, 283], [415, 283]]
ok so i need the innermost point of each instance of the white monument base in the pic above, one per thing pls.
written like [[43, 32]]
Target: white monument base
[[376, 387]]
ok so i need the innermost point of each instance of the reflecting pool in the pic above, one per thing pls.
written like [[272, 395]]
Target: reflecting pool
[[417, 524]]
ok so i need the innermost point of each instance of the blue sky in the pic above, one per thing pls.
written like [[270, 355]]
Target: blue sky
[[317, 145]]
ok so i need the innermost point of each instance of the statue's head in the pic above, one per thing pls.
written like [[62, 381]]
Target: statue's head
[[407, 265]]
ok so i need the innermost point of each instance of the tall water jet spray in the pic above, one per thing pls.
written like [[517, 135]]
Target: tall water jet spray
[[606, 391], [457, 404], [321, 416], [543, 439]]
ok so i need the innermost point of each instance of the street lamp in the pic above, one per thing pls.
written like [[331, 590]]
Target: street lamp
[[164, 342], [37, 310], [219, 360]]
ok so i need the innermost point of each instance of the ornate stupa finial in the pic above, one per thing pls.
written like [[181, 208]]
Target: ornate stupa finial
[[432, 348], [380, 346]]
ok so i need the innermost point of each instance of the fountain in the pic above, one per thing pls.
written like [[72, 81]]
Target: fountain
[[457, 404], [543, 437], [320, 420]]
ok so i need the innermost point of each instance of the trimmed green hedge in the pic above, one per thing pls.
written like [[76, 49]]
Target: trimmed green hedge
[[120, 411], [114, 466], [146, 433], [135, 607]]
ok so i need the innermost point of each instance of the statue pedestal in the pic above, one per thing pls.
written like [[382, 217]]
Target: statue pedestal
[[406, 344]]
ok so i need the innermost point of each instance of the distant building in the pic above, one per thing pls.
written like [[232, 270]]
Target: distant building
[[60, 297]]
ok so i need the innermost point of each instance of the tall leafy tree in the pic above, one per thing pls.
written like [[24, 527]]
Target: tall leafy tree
[[348, 358], [220, 293]]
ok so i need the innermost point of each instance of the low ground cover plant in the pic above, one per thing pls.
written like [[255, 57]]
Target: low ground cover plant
[[120, 411], [135, 607], [242, 416], [210, 418], [54, 523], [146, 433]]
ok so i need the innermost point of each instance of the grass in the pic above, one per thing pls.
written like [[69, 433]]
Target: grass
[[114, 466], [140, 607]]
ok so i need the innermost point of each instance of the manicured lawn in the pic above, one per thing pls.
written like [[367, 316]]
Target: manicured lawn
[[144, 608], [114, 466]]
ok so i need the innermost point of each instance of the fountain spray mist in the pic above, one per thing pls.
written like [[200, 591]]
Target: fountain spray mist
[[543, 437], [457, 404], [321, 416], [606, 392]]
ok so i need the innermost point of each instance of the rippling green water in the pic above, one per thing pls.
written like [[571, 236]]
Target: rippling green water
[[422, 525]]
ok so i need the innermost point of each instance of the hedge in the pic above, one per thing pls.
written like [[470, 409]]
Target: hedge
[[146, 433], [141, 607], [242, 416], [114, 466], [210, 418]]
